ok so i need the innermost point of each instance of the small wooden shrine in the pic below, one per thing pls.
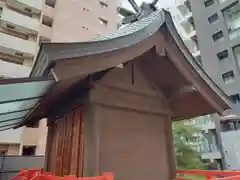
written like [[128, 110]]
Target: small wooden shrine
[[115, 97]]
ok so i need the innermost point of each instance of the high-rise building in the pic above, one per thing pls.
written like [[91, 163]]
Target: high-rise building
[[24, 25], [214, 27], [184, 22]]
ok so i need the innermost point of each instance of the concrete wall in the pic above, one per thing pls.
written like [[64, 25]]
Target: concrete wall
[[70, 23], [231, 149], [126, 131], [11, 136]]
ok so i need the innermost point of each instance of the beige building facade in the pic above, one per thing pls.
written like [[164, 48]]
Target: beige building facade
[[24, 25]]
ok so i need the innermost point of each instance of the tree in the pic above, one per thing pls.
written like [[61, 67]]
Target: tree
[[186, 139]]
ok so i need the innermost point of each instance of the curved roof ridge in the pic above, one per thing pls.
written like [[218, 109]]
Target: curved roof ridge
[[130, 28]]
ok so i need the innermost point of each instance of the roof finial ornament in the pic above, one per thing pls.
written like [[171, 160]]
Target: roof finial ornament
[[140, 11]]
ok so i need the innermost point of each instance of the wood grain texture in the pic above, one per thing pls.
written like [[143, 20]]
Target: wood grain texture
[[65, 145]]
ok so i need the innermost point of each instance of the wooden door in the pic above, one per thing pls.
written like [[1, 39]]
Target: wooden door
[[65, 145]]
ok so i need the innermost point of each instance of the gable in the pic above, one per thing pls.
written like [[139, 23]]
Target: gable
[[129, 77], [127, 88]]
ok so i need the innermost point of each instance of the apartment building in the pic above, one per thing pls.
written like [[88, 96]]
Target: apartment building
[[183, 20], [213, 27], [24, 25]]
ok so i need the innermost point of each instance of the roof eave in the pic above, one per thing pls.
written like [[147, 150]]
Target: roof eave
[[182, 47]]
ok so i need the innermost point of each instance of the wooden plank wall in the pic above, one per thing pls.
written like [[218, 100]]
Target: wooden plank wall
[[65, 141]]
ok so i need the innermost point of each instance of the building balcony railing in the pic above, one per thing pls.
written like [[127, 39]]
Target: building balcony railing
[[25, 23], [211, 155], [206, 126], [12, 136], [192, 33], [14, 44], [186, 17], [221, 1], [27, 6], [48, 11], [46, 31], [184, 10], [234, 33], [13, 70]]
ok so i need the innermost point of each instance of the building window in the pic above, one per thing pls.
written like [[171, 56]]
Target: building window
[[103, 4], [47, 21], [222, 55], [103, 21], [18, 54], [10, 26], [235, 98], [213, 18], [228, 77], [28, 150], [50, 3], [217, 36], [208, 3], [27, 10]]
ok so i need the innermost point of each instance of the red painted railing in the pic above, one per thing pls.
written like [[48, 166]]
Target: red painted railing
[[209, 174], [39, 174]]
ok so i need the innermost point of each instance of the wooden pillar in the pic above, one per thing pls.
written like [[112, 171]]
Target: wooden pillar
[[170, 148]]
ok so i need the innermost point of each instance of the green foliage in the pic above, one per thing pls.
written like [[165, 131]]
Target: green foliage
[[186, 139]]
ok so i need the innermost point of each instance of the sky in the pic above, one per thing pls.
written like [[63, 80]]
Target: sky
[[161, 3]]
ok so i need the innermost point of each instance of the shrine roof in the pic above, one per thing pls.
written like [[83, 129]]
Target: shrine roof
[[125, 36], [53, 60]]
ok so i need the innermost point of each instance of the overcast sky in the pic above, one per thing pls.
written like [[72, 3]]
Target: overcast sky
[[161, 3]]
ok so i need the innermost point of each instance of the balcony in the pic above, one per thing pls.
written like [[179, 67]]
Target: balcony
[[27, 6], [206, 126], [48, 11], [186, 19], [46, 31], [188, 29], [185, 11], [221, 1], [11, 136], [227, 2], [211, 155], [13, 70], [196, 53], [24, 23], [234, 33], [232, 19], [192, 33], [11, 45], [193, 48], [236, 52]]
